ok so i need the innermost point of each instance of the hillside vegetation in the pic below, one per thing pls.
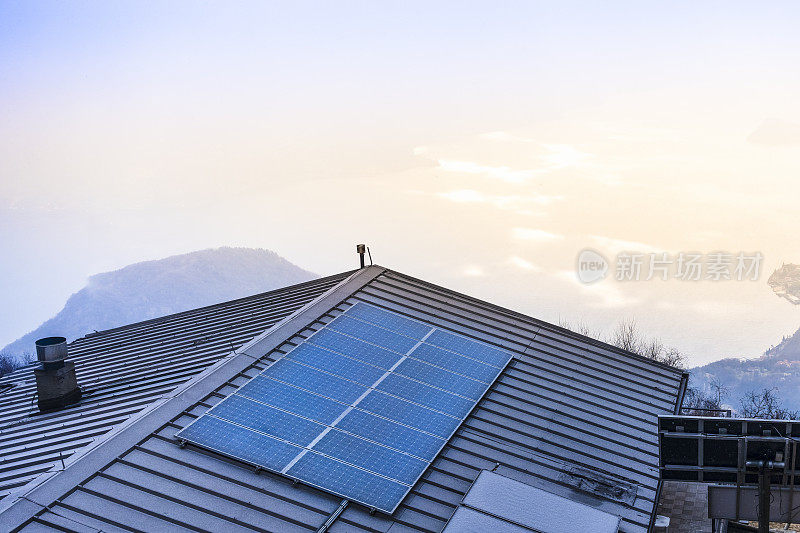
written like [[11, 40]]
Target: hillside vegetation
[[778, 368]]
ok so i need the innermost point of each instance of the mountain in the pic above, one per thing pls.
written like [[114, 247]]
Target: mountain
[[778, 367], [155, 288]]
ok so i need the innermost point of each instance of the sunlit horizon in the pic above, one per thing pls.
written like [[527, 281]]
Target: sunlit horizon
[[480, 148]]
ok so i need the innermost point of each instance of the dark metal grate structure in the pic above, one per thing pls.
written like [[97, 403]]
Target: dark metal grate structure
[[697, 448]]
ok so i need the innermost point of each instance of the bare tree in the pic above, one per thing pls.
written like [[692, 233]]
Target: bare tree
[[696, 402], [673, 357], [652, 348], [578, 327], [718, 391], [7, 363], [628, 337], [699, 402], [765, 404]]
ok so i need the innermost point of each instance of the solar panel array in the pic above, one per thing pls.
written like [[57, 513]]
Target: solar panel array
[[359, 409]]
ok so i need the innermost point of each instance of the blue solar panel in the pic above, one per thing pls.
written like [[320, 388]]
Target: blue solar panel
[[315, 381], [336, 364], [265, 419], [455, 363], [438, 377], [373, 334], [357, 349], [361, 408], [370, 456], [464, 346], [298, 401], [403, 438], [348, 481], [410, 414], [426, 395], [250, 446], [390, 321]]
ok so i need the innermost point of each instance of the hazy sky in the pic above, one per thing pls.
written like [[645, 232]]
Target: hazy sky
[[476, 145]]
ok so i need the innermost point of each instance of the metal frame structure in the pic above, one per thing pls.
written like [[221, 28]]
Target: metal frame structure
[[742, 451]]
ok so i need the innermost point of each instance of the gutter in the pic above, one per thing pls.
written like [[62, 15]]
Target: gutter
[[681, 393], [676, 411]]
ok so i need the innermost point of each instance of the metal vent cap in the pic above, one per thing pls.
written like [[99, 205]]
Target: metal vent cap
[[51, 349]]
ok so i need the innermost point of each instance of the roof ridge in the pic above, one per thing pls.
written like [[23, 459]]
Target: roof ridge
[[541, 323], [158, 319]]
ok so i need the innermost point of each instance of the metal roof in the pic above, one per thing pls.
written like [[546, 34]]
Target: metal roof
[[570, 415], [123, 370]]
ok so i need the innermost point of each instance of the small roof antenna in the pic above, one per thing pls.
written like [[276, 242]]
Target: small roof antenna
[[361, 249]]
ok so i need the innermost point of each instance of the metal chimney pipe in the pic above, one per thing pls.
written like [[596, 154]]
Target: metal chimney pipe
[[51, 349], [56, 383]]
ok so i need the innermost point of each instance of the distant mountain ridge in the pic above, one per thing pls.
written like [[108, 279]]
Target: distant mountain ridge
[[156, 288], [778, 367]]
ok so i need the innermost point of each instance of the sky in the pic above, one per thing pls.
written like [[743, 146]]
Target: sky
[[478, 145]]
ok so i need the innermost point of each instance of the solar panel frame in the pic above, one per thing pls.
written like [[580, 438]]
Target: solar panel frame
[[346, 322]]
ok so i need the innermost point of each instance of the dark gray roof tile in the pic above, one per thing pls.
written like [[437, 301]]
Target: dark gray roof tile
[[125, 369]]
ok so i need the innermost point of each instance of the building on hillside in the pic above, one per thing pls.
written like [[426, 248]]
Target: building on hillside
[[387, 404]]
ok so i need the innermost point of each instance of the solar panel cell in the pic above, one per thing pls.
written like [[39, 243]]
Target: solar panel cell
[[373, 334], [348, 481], [357, 349], [441, 378], [455, 362], [292, 399], [315, 381], [388, 320], [401, 437], [371, 456], [462, 345], [230, 439], [266, 419], [426, 395], [336, 364], [410, 413]]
